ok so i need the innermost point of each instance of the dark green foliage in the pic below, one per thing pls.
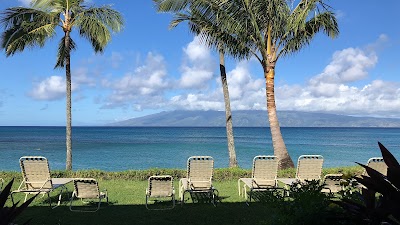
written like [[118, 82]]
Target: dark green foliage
[[8, 214], [306, 204], [379, 202]]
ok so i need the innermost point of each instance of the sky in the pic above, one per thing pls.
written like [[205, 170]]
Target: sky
[[148, 68]]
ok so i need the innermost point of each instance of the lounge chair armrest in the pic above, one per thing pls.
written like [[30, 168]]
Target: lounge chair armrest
[[48, 180]]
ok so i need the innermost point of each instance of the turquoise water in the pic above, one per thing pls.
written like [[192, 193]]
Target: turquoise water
[[123, 148]]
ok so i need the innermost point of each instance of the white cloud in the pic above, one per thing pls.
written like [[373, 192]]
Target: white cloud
[[54, 87], [334, 90], [379, 98], [51, 88], [146, 82], [245, 93], [81, 76], [198, 67], [199, 101], [347, 66]]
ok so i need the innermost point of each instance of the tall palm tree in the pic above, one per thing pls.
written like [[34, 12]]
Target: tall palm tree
[[269, 30], [273, 29], [210, 34], [28, 27]]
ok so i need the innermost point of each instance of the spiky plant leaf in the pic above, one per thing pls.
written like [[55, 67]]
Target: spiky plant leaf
[[9, 214]]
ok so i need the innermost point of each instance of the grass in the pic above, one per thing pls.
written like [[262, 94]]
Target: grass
[[127, 199]]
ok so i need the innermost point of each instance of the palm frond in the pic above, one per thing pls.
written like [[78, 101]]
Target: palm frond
[[95, 25], [25, 27], [95, 32], [210, 23], [63, 51], [171, 5], [55, 5], [111, 18]]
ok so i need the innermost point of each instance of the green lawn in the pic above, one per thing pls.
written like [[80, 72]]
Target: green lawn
[[127, 202], [127, 206]]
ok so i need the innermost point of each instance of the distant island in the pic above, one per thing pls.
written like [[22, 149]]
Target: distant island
[[253, 118]]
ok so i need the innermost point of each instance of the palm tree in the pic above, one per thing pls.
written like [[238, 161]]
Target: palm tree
[[275, 30], [269, 30], [29, 27], [210, 34]]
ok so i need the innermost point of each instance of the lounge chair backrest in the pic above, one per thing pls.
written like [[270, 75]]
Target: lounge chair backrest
[[160, 186], [332, 182], [265, 170], [86, 188], [200, 171], [309, 167], [378, 164], [35, 172]]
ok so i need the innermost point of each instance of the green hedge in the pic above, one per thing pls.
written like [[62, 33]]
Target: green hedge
[[220, 174]]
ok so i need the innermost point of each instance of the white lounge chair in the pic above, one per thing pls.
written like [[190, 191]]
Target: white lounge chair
[[378, 164], [199, 177], [160, 187], [309, 167], [264, 176], [87, 189], [333, 183], [36, 179]]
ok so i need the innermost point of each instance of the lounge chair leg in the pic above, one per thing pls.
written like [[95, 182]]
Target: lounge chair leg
[[59, 197], [183, 197], [26, 196], [239, 187], [48, 196], [251, 194], [214, 196]]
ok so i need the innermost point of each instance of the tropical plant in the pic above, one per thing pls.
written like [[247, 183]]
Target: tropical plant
[[9, 214], [379, 201], [306, 204], [32, 27], [267, 30], [213, 36]]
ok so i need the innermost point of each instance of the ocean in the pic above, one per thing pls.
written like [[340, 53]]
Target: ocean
[[125, 148]]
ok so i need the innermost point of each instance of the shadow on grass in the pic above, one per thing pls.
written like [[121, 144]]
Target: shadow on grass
[[190, 213]]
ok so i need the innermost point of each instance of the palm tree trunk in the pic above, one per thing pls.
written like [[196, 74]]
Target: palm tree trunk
[[68, 101], [277, 140], [228, 113]]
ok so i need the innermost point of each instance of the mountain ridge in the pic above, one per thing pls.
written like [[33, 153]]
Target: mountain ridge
[[253, 118]]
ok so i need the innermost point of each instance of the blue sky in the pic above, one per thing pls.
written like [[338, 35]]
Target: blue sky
[[148, 68]]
